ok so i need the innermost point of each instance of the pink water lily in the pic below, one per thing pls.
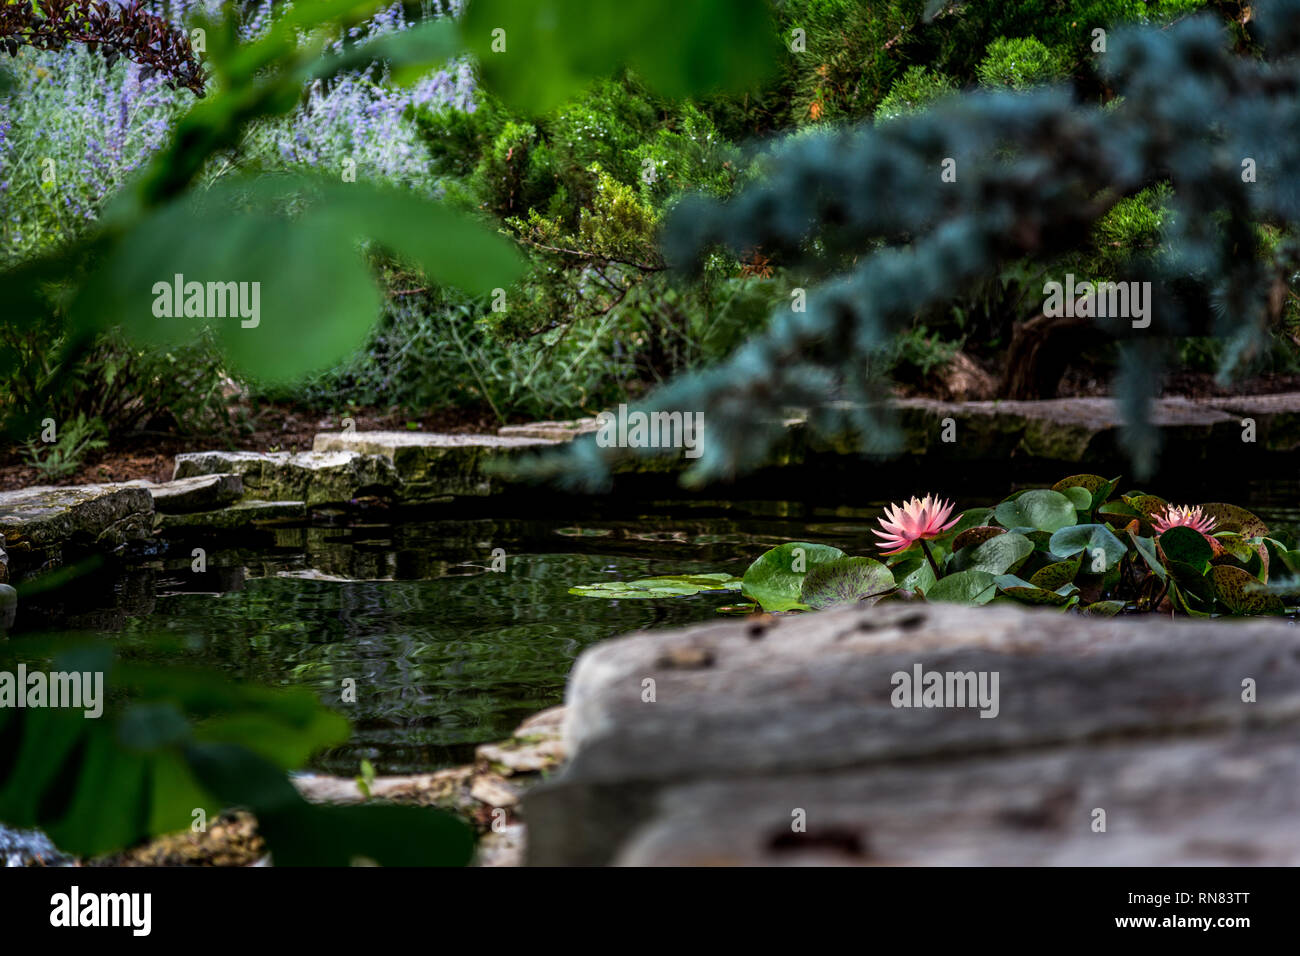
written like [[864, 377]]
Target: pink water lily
[[1182, 516], [1185, 516], [917, 519]]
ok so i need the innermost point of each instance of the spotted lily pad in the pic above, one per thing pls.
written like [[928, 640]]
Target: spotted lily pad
[[1104, 608], [976, 535], [1055, 575], [846, 581], [1027, 593], [1238, 591]]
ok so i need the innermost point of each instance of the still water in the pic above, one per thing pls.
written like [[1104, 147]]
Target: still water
[[447, 653]]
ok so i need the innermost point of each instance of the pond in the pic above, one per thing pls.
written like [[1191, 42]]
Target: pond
[[447, 653]]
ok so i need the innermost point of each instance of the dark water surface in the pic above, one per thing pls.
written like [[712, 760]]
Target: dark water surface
[[446, 653]]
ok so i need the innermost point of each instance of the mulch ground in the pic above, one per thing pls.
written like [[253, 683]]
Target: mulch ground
[[273, 428]]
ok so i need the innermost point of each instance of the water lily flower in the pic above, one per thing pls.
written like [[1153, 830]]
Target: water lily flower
[[1182, 516], [917, 519]]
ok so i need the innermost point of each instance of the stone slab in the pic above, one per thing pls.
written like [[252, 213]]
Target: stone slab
[[430, 465], [811, 695], [188, 495], [37, 522], [315, 477]]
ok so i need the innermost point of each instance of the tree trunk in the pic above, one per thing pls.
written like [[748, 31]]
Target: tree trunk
[[1039, 353]]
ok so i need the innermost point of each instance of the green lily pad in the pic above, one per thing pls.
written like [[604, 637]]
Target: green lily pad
[[1147, 548], [964, 587], [971, 518], [1039, 508], [915, 575], [1231, 518], [1081, 498], [1180, 601], [1100, 548], [775, 579], [1103, 608], [1098, 488], [846, 581], [675, 585], [1188, 546], [1054, 575], [997, 555], [1281, 557], [1192, 581], [1236, 590], [1028, 593], [976, 535], [1146, 506]]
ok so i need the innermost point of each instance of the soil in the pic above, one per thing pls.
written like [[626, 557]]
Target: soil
[[272, 428]]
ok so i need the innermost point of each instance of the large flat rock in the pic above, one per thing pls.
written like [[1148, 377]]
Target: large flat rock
[[188, 495], [37, 523], [431, 465], [315, 477], [803, 699]]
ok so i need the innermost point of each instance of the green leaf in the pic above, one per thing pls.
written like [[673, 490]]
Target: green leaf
[[846, 581], [667, 586], [1231, 518], [1081, 498], [1104, 608], [996, 555], [1147, 548], [310, 299], [1101, 549], [915, 575], [1055, 575], [1098, 488], [775, 579], [553, 48], [1028, 593], [1187, 546], [1039, 509], [1236, 590], [964, 587]]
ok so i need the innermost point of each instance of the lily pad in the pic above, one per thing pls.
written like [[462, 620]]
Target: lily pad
[[775, 579], [1027, 593], [997, 555], [846, 581], [1098, 488], [1147, 548], [1054, 575], [964, 587], [1104, 608], [971, 518], [1100, 548], [1081, 498], [1187, 546], [1040, 509], [915, 575], [1231, 518], [676, 585], [1236, 590], [976, 535], [1146, 506]]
